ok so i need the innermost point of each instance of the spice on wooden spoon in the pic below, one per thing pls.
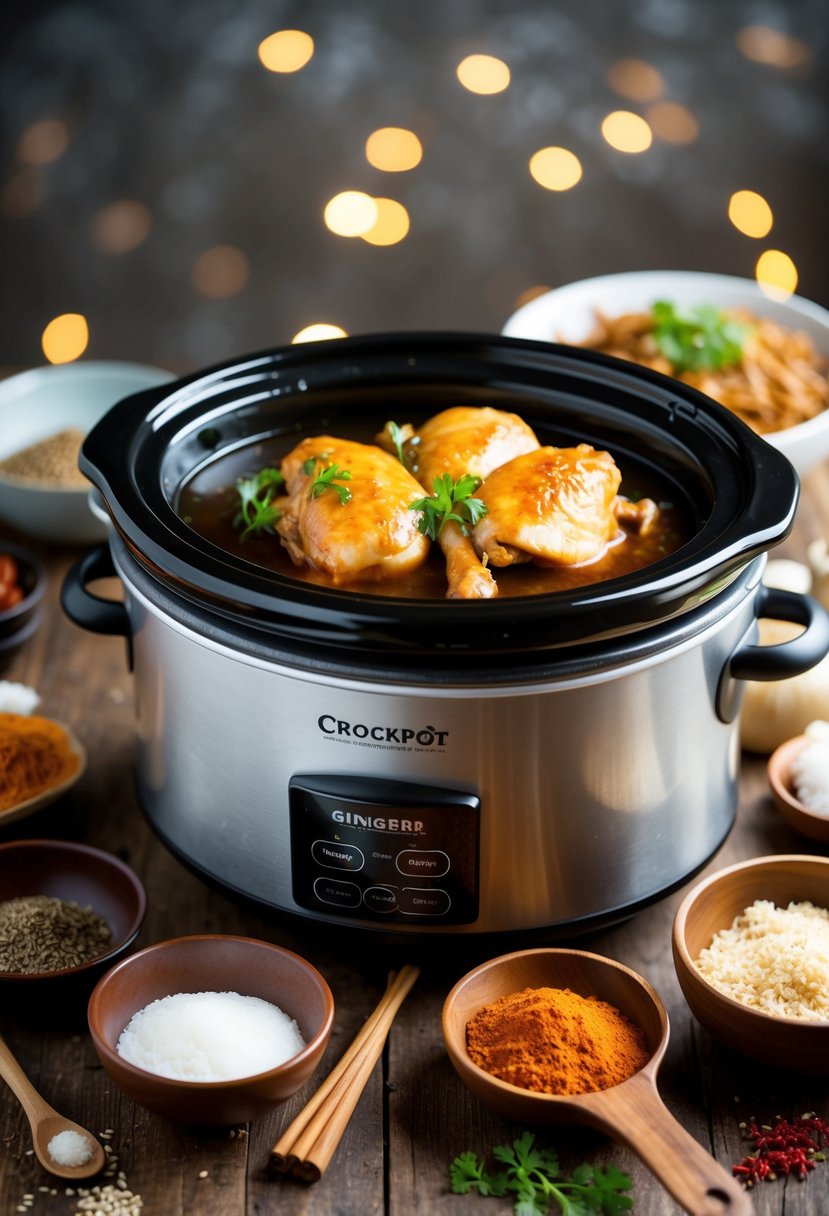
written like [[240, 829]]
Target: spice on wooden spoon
[[47, 1124]]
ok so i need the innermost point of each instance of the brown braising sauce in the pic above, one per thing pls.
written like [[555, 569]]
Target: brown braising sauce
[[208, 502]]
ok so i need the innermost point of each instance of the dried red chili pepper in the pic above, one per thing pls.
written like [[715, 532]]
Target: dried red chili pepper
[[782, 1148]]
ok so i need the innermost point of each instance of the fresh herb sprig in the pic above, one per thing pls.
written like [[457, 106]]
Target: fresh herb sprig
[[327, 479], [533, 1176], [452, 500], [397, 437], [257, 511], [698, 339]]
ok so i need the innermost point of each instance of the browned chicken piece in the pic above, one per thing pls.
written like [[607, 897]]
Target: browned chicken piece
[[467, 439], [639, 516], [458, 440], [372, 535], [553, 506]]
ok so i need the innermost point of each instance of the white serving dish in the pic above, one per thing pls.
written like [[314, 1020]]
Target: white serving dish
[[567, 314], [40, 402]]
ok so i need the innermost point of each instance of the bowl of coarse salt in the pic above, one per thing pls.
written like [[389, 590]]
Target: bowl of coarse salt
[[751, 951], [799, 779], [211, 1029]]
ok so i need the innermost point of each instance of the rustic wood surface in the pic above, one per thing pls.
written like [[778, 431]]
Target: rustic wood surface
[[415, 1115]]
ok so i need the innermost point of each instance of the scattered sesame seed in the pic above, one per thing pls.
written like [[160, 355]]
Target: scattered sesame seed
[[202, 1173]]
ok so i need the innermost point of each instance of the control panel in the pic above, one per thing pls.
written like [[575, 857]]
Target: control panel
[[390, 851]]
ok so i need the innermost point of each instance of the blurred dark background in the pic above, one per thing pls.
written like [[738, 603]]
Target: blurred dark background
[[161, 182]]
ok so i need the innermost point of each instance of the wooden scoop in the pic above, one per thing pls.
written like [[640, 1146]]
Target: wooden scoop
[[632, 1113], [46, 1122]]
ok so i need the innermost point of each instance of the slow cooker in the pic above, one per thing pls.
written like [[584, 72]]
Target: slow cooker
[[544, 763]]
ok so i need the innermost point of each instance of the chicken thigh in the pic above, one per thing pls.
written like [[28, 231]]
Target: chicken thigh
[[463, 440], [552, 506], [347, 512]]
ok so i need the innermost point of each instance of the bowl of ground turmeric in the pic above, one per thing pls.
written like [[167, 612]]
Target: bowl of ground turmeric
[[40, 759], [558, 1036]]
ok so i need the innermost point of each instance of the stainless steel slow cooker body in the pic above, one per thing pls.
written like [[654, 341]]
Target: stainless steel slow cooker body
[[539, 763]]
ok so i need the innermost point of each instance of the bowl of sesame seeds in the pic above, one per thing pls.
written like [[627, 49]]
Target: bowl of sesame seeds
[[45, 414], [68, 911]]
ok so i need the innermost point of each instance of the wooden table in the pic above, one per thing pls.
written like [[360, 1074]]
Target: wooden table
[[415, 1115]]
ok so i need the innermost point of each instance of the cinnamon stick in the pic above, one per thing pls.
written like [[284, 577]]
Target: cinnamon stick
[[308, 1144]]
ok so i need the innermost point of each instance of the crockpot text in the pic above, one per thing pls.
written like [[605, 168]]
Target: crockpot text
[[427, 737]]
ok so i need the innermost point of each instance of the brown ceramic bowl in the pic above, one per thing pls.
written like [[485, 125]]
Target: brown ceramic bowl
[[712, 905], [85, 875], [212, 963], [806, 822], [546, 967]]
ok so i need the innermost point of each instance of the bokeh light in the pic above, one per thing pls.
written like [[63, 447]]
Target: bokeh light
[[22, 194], [392, 223], [43, 142], [220, 272], [636, 79], [65, 338], [483, 74], [351, 213], [286, 50], [627, 132], [672, 123], [762, 44], [319, 331], [393, 149], [750, 213], [121, 227], [777, 274], [555, 168]]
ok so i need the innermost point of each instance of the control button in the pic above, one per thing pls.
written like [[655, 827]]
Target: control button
[[336, 891], [380, 899], [337, 856], [431, 863], [418, 902]]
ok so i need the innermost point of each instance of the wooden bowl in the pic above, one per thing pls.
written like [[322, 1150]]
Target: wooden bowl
[[797, 815], [712, 905], [212, 963], [39, 802], [88, 877]]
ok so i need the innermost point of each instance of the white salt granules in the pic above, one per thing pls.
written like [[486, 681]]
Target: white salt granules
[[17, 698], [810, 769], [70, 1148], [209, 1036]]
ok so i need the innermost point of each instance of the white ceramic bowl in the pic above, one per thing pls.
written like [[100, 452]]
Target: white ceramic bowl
[[41, 402], [566, 314]]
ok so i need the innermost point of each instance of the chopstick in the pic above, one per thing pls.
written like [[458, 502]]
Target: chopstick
[[307, 1145]]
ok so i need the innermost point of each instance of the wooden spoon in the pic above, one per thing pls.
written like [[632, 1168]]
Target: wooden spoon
[[632, 1113], [46, 1122]]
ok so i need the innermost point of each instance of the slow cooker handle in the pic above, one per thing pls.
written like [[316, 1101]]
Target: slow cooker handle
[[752, 662], [792, 658], [93, 612]]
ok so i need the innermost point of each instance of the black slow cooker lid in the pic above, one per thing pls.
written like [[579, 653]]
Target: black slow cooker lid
[[739, 492]]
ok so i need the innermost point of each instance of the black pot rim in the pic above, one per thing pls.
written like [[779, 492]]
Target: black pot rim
[[134, 456]]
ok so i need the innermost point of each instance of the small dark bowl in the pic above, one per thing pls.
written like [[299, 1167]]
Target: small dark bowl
[[212, 963], [19, 623], [85, 875]]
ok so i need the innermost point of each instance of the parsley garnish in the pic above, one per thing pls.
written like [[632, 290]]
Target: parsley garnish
[[698, 339], [327, 479], [451, 500], [398, 437], [533, 1176], [257, 511]]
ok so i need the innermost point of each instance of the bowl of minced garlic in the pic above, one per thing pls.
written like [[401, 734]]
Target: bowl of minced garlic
[[751, 951], [39, 760]]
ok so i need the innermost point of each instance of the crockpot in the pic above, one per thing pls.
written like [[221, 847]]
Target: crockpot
[[546, 762]]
